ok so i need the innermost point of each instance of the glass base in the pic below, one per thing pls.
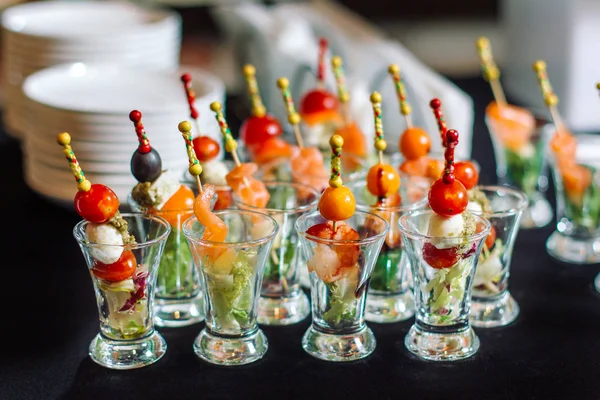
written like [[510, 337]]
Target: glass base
[[230, 350], [385, 309], [127, 354], [448, 346], [573, 250], [339, 348], [283, 310], [493, 312], [178, 313], [537, 215]]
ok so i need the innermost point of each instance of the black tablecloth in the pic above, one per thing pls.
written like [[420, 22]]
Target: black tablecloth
[[49, 318]]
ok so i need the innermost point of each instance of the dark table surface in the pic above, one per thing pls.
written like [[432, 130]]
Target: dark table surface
[[50, 317]]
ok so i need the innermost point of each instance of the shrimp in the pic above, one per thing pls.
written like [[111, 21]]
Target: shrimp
[[215, 230], [308, 168], [249, 189]]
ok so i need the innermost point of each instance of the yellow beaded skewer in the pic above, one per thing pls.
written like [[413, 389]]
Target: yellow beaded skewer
[[343, 94], [64, 139], [379, 143], [293, 117], [258, 108], [195, 169], [550, 98], [490, 71], [405, 108]]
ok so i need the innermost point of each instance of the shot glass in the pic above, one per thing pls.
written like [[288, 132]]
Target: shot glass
[[492, 305], [442, 331], [390, 297], [340, 273], [231, 275], [576, 238], [282, 301], [521, 163], [178, 300], [127, 338]]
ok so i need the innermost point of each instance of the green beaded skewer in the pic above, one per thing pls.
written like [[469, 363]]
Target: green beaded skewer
[[293, 116], [258, 108], [405, 108], [64, 139], [340, 80], [230, 143], [379, 143], [195, 169], [550, 98], [490, 71]]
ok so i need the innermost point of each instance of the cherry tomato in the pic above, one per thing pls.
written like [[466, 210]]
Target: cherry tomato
[[118, 271], [206, 148], [440, 258], [317, 101], [256, 130], [434, 169], [466, 172], [414, 143], [448, 199], [178, 207], [354, 139], [337, 204], [490, 238], [383, 180], [97, 205]]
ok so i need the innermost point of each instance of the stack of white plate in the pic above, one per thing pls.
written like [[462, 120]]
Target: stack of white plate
[[92, 103], [42, 34]]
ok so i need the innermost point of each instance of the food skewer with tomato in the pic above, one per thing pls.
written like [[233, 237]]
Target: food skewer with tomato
[[116, 272], [319, 108], [307, 164]]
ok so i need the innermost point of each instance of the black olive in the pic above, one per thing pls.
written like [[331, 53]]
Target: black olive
[[146, 167]]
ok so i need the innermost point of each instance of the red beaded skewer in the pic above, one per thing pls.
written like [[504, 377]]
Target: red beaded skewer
[[436, 106], [321, 63], [191, 98], [136, 117]]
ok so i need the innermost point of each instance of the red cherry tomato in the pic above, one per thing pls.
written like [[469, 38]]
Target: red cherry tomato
[[317, 101], [206, 148], [466, 173], [256, 130], [440, 258], [118, 271], [98, 205], [448, 199]]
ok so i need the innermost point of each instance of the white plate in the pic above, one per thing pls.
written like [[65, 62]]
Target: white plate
[[77, 22], [112, 89]]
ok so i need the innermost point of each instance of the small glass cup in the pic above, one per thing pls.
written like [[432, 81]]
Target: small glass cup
[[178, 300], [390, 298], [231, 274], [576, 239], [441, 331], [522, 164], [491, 303], [282, 301], [127, 338], [338, 331]]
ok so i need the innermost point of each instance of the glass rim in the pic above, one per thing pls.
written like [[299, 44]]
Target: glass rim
[[247, 243], [521, 205], [419, 236], [82, 240], [295, 210], [366, 240]]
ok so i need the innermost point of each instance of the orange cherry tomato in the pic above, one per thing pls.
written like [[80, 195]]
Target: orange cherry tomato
[[414, 143], [383, 180], [448, 199], [416, 167], [337, 204], [440, 258], [466, 172], [118, 271], [354, 139], [256, 130], [97, 205], [434, 169], [179, 207], [206, 148]]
